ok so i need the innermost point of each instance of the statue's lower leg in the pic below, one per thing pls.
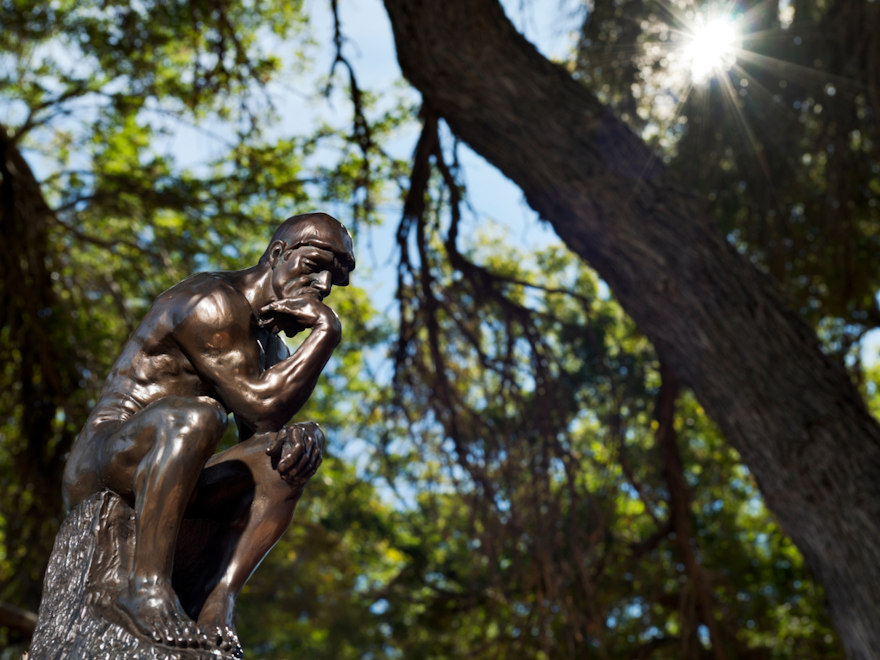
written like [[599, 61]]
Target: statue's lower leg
[[164, 482], [265, 520]]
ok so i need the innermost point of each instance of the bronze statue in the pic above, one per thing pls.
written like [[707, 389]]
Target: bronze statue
[[208, 347]]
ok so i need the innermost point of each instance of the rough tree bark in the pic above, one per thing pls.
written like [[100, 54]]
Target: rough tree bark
[[792, 412], [40, 357]]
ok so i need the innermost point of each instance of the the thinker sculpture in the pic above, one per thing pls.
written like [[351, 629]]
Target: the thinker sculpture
[[202, 522]]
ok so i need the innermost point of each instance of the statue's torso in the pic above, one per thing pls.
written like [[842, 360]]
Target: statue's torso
[[153, 363]]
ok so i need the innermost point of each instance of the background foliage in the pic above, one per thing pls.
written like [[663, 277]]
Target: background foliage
[[531, 482]]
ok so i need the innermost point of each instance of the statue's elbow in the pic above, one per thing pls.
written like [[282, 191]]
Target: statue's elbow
[[271, 416]]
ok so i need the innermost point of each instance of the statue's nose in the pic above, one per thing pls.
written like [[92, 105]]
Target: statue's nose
[[323, 282]]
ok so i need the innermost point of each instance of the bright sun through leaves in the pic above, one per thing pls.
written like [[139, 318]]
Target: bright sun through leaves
[[711, 47]]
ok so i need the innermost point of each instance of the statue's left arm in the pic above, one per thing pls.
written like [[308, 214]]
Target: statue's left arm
[[273, 351], [220, 342]]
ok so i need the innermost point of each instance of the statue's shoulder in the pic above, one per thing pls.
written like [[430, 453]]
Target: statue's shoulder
[[207, 300]]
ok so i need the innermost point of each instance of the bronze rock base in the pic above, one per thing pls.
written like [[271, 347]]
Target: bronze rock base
[[89, 567]]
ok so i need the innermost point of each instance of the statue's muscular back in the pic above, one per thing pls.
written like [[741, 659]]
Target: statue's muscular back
[[154, 365]]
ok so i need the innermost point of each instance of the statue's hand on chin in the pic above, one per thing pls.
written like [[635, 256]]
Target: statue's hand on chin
[[304, 309]]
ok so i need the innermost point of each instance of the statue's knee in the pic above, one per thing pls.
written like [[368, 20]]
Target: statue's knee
[[209, 415], [192, 424]]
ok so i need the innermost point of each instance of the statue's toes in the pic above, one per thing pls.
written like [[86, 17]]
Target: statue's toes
[[196, 639], [223, 639], [215, 638], [170, 631], [201, 640], [165, 634], [186, 638], [230, 643]]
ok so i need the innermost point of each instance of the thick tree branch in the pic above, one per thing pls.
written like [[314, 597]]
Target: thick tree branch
[[19, 620], [792, 412]]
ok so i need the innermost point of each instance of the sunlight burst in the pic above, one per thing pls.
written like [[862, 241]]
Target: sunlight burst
[[711, 47]]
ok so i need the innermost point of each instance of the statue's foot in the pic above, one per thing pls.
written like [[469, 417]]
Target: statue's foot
[[218, 617], [157, 613], [226, 641]]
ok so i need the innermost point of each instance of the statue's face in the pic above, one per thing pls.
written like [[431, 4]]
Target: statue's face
[[306, 270], [321, 256]]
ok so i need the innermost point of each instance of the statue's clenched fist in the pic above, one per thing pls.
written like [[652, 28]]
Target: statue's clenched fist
[[296, 452]]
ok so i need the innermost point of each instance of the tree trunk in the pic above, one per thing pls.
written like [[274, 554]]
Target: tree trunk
[[792, 412]]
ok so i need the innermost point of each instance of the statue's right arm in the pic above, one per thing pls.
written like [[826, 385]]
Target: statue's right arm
[[219, 340]]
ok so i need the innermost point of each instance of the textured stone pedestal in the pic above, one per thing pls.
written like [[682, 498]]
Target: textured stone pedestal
[[89, 566]]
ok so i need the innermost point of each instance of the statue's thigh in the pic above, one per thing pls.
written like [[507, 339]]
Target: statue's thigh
[[163, 421]]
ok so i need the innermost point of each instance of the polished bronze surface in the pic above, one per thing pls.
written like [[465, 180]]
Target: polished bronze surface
[[208, 347]]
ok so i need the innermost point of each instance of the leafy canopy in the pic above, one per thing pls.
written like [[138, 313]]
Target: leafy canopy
[[531, 482]]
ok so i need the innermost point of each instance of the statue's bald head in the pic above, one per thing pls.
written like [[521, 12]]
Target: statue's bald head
[[317, 230]]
